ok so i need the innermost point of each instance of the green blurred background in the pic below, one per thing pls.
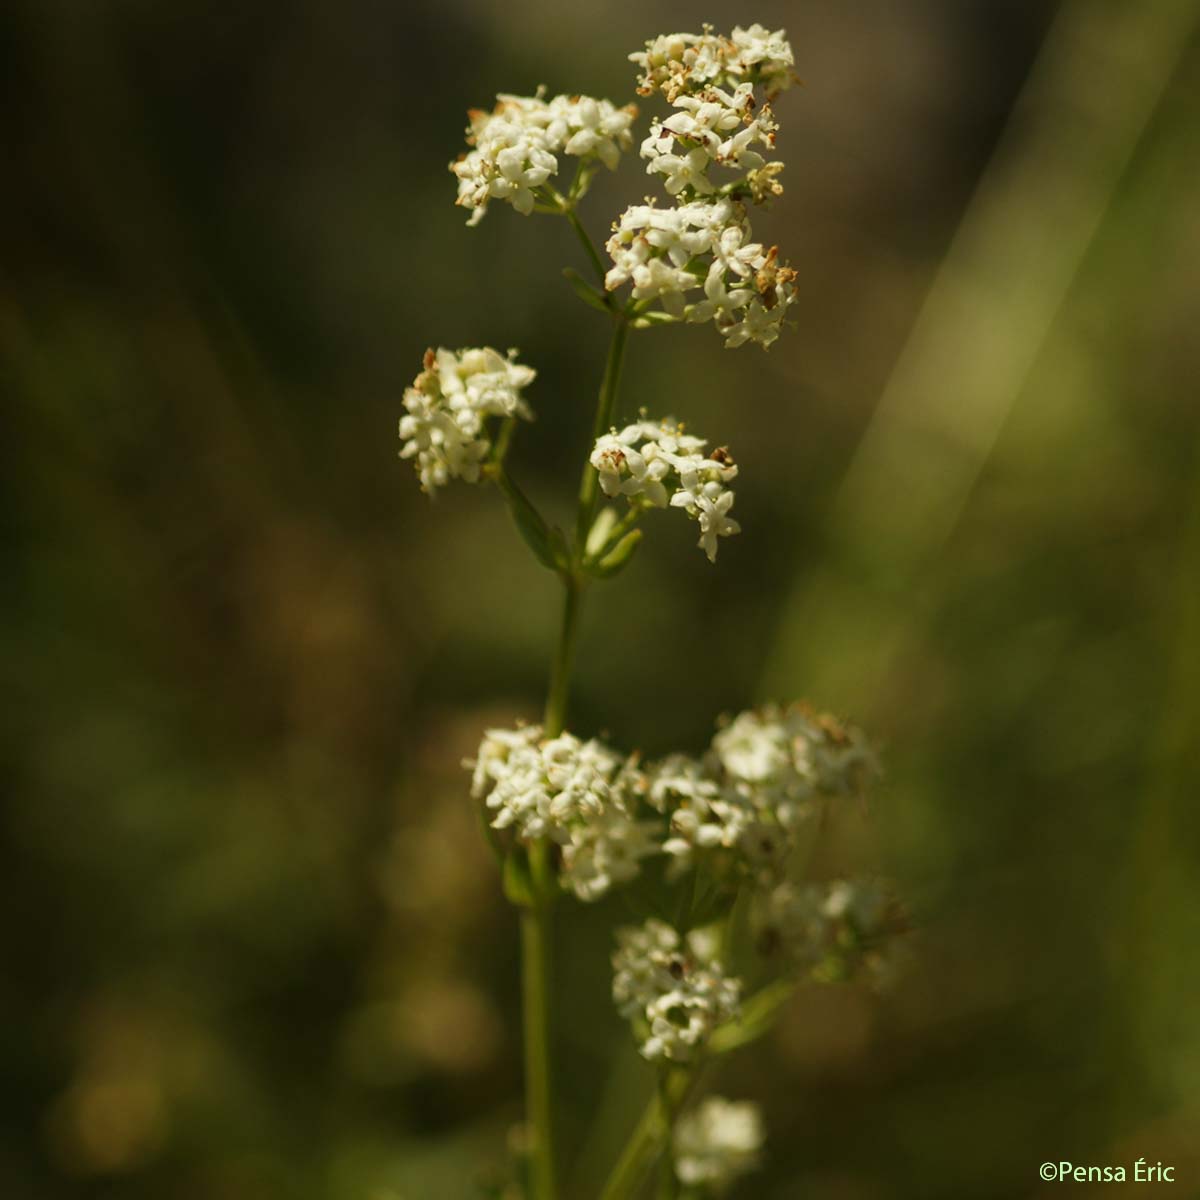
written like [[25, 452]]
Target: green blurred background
[[254, 946]]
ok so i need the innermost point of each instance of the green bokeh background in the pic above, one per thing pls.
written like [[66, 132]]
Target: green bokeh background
[[254, 946]]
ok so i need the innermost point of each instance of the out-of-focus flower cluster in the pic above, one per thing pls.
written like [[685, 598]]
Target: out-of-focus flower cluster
[[831, 932], [716, 1142], [580, 795], [644, 459], [741, 803], [706, 241], [447, 407], [733, 811], [673, 995], [515, 146], [667, 253]]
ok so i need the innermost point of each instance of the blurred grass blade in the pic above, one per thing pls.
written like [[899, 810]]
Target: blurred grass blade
[[1098, 78]]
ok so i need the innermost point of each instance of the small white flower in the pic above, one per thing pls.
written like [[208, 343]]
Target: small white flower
[[606, 850], [757, 324], [446, 409], [581, 795], [675, 62], [625, 470], [668, 253], [671, 237], [685, 170], [642, 460], [701, 815], [514, 148], [760, 780], [829, 931], [688, 63], [755, 748], [709, 504], [681, 781], [786, 758], [707, 118], [674, 996], [765, 54], [594, 128], [716, 1142], [718, 123], [713, 127]]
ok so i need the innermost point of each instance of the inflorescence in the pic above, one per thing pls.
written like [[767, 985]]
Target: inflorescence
[[642, 460], [575, 814], [705, 241], [580, 795], [444, 426], [738, 807], [674, 997], [515, 146], [717, 1142]]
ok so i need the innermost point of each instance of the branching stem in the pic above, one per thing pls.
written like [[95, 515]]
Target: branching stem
[[650, 1134], [588, 245]]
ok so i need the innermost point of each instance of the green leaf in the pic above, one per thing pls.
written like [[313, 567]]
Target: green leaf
[[549, 546], [584, 290]]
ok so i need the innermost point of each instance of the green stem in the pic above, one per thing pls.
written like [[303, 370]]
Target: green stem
[[757, 1015], [535, 981], [652, 1133], [565, 205], [590, 483], [588, 245], [564, 655], [616, 533], [647, 1137], [500, 448], [668, 1183], [536, 920]]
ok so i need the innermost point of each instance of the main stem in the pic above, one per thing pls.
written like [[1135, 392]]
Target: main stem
[[537, 920], [536, 933], [564, 656]]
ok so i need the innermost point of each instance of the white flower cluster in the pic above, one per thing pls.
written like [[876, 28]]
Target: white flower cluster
[[793, 754], [514, 147], [717, 127], [829, 931], [705, 241], [580, 795], [688, 63], [758, 781], [665, 253], [447, 407], [639, 462], [716, 1142], [714, 127], [672, 994]]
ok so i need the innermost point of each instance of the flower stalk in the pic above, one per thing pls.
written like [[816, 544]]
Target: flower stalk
[[590, 482], [649, 1135]]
